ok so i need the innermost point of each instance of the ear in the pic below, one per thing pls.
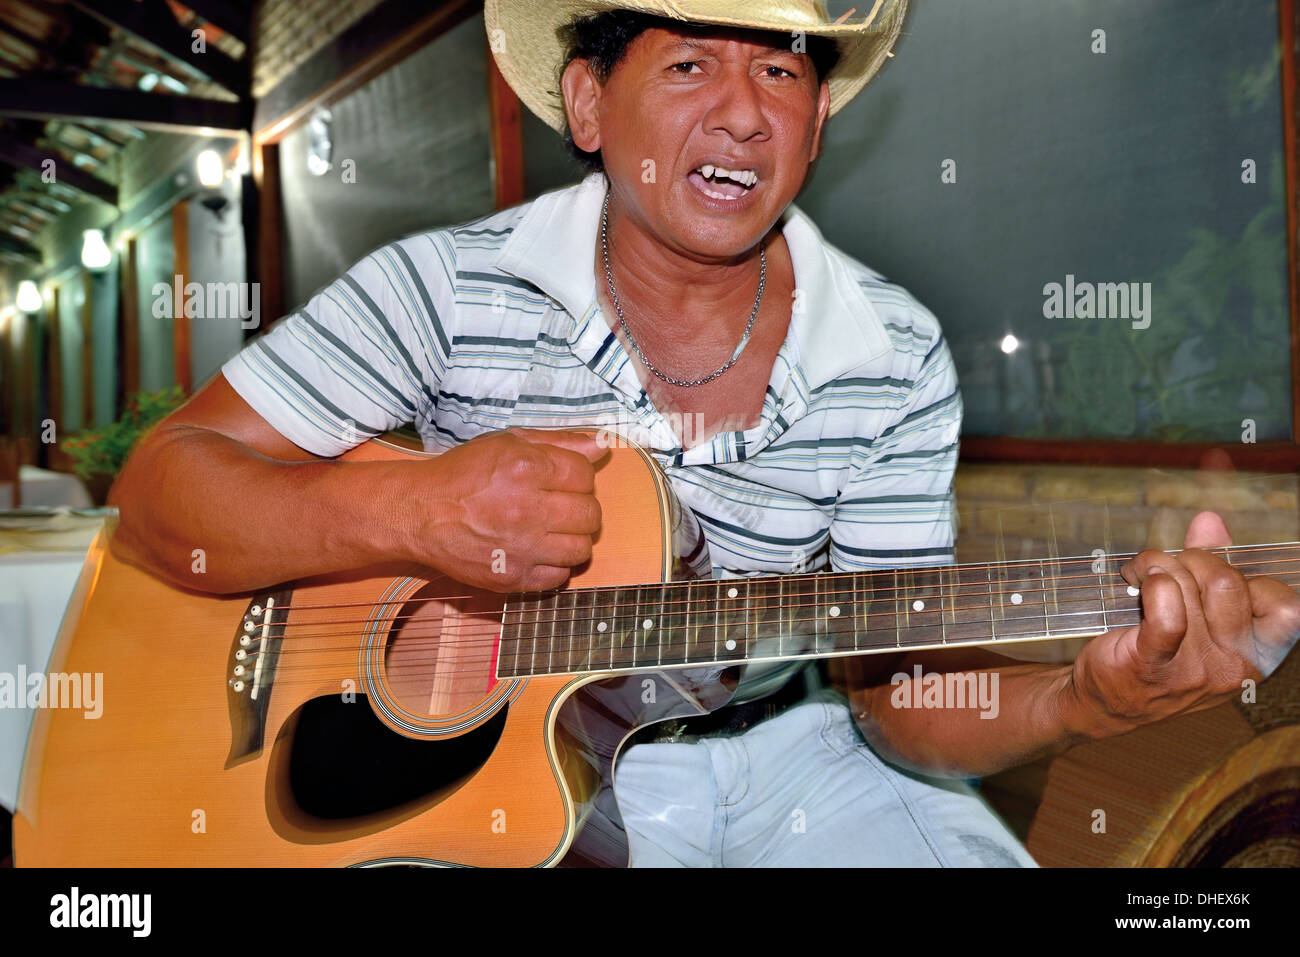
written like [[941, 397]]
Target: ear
[[823, 111], [582, 93]]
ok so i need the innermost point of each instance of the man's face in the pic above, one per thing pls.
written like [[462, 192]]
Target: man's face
[[690, 100]]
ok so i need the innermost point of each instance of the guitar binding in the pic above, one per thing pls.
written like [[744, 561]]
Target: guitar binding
[[250, 672]]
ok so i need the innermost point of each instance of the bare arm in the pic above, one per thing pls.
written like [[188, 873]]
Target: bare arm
[[1028, 719], [216, 476]]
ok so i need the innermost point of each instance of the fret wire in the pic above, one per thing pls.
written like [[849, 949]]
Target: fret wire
[[715, 616], [568, 651], [501, 641], [613, 618], [943, 626], [857, 608], [750, 624], [532, 650], [992, 614], [780, 612], [1042, 574], [550, 644], [1101, 595], [898, 624], [659, 640], [685, 642], [819, 615]]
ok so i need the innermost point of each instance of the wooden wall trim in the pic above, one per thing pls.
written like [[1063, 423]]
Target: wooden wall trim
[[49, 454], [270, 231], [184, 365], [87, 321], [128, 327], [507, 136], [1256, 457], [1289, 32]]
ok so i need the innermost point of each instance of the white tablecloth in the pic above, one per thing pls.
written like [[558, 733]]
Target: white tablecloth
[[35, 585], [43, 487]]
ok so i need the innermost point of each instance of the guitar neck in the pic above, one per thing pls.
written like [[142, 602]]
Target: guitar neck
[[787, 617]]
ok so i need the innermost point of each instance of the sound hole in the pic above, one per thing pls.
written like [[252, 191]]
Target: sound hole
[[346, 763], [440, 660]]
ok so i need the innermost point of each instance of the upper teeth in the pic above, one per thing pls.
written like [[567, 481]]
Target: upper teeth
[[746, 177]]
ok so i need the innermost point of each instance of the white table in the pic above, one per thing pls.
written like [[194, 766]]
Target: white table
[[36, 580], [43, 487]]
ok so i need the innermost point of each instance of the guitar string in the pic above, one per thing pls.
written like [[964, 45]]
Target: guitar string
[[351, 650], [485, 626], [494, 625], [917, 591], [793, 579], [867, 572], [585, 664]]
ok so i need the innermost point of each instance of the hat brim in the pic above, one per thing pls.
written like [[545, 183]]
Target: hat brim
[[526, 39]]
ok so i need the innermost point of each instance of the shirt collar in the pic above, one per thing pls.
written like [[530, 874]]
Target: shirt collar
[[834, 324]]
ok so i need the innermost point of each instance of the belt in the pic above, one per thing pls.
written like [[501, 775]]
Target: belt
[[732, 719]]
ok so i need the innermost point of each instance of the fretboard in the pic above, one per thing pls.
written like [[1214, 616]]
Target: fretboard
[[787, 617]]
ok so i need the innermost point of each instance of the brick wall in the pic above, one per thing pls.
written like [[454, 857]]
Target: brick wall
[[1014, 511], [287, 32]]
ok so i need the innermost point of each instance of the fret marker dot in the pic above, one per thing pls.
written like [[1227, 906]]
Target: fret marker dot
[[731, 644], [835, 611], [601, 626], [647, 624], [1016, 598], [918, 605], [732, 593], [1134, 592]]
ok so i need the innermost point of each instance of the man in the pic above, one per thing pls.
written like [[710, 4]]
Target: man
[[804, 409]]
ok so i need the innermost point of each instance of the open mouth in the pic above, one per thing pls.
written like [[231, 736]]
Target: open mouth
[[723, 184]]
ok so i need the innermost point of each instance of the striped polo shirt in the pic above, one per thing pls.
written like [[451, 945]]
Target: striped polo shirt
[[496, 323]]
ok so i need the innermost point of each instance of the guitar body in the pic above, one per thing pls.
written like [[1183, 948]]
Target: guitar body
[[362, 723]]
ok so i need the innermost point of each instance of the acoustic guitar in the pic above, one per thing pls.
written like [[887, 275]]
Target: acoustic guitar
[[391, 716]]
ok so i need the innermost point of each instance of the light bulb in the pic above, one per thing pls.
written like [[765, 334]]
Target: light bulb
[[211, 170], [29, 297], [95, 253]]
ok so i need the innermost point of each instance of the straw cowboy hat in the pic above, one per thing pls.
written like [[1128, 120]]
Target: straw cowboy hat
[[525, 37]]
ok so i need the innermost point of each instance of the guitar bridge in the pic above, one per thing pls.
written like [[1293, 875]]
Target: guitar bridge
[[250, 672]]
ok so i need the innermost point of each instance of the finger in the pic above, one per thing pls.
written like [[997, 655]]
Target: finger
[[1276, 609], [585, 444], [1225, 599], [563, 550], [1164, 621], [545, 578], [1207, 530], [1270, 597], [571, 512]]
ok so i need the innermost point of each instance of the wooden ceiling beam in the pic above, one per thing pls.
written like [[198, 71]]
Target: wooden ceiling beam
[[153, 24], [47, 100], [23, 155]]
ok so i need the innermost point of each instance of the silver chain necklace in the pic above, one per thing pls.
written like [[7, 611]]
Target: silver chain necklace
[[622, 321]]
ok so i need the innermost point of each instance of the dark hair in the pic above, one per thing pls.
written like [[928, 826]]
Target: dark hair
[[604, 38]]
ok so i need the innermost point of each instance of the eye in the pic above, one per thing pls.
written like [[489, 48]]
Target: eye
[[779, 70], [686, 63]]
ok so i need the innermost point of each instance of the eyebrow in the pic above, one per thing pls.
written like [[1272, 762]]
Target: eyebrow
[[705, 43]]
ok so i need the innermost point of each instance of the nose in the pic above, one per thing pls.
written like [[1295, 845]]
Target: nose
[[736, 109]]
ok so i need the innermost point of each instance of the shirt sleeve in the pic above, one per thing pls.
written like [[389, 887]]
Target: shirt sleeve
[[898, 507], [364, 355]]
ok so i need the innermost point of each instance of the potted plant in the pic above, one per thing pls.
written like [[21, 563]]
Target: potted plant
[[97, 455]]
